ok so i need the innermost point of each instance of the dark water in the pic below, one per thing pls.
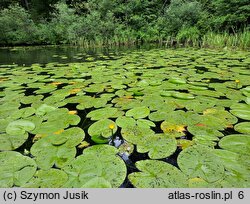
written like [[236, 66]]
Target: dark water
[[61, 54]]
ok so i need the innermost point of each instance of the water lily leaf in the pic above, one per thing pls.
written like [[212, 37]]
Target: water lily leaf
[[103, 113], [174, 129], [97, 167], [198, 161], [238, 143], [145, 123], [124, 121], [19, 127], [57, 149], [177, 80], [185, 96], [105, 128], [220, 116], [11, 142], [138, 112], [44, 109], [52, 178], [99, 139], [157, 174], [197, 183], [201, 129], [158, 146], [232, 161], [241, 111], [183, 143], [23, 113], [15, 169], [136, 134], [243, 127]]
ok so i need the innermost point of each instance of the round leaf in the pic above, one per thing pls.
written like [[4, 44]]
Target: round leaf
[[157, 174], [15, 169]]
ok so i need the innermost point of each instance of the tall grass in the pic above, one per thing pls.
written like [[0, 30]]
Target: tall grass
[[225, 40]]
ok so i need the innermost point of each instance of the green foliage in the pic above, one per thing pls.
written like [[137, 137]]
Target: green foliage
[[213, 23], [17, 27], [182, 13], [188, 35]]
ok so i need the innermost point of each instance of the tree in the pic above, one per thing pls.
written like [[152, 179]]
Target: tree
[[17, 27], [230, 15]]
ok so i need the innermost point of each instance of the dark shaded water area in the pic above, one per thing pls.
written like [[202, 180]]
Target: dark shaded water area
[[62, 54]]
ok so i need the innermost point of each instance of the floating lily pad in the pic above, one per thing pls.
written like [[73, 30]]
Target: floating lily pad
[[19, 127], [185, 96], [138, 112], [177, 81], [104, 113], [44, 109], [158, 146], [105, 128], [11, 142], [99, 139], [124, 121], [97, 167], [52, 178], [58, 149], [198, 161], [236, 143], [243, 127], [145, 123], [157, 174], [241, 111], [15, 169], [136, 134]]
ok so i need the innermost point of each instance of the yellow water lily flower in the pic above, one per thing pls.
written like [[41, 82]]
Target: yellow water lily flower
[[73, 112], [111, 126]]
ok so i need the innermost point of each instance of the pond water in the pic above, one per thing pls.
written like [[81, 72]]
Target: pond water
[[142, 117]]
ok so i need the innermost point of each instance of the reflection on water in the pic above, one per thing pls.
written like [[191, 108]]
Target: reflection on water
[[60, 54]]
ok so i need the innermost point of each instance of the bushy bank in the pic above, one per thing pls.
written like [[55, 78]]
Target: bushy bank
[[116, 22]]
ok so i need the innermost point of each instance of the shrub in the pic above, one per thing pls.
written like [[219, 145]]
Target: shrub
[[188, 36], [16, 25]]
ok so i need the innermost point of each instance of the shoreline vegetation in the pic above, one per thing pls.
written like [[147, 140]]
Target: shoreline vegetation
[[92, 23]]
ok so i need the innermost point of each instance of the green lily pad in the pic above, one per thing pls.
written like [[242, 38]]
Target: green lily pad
[[105, 128], [177, 81], [157, 174], [136, 134], [145, 123], [238, 143], [99, 139], [243, 127], [234, 162], [11, 142], [58, 150], [15, 169], [198, 161], [44, 109], [241, 111], [23, 113], [158, 146], [185, 96], [138, 112], [124, 121], [19, 127], [97, 167], [52, 178], [104, 113]]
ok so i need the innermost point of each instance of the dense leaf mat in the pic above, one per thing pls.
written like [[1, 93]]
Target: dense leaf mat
[[157, 118]]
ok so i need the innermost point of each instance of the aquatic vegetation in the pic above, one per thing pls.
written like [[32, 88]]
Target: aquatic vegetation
[[156, 118]]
